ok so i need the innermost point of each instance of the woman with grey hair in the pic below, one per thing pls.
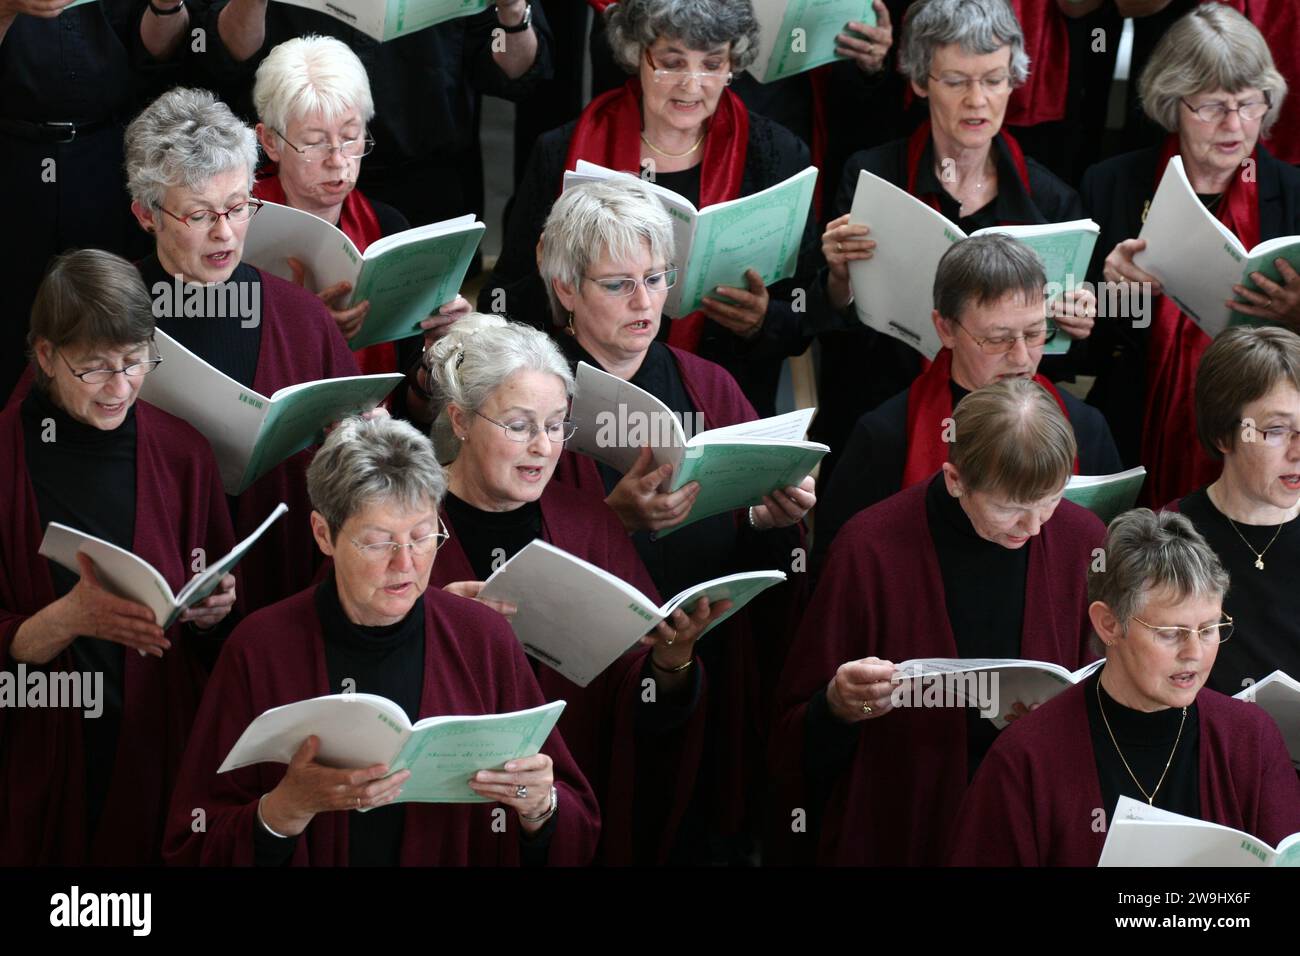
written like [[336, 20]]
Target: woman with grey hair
[[1145, 726], [606, 257], [963, 58], [982, 560], [502, 391], [1212, 85], [374, 626], [314, 107], [677, 122], [189, 165], [80, 450]]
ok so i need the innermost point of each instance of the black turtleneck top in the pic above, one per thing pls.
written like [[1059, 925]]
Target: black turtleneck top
[[84, 477], [1145, 741]]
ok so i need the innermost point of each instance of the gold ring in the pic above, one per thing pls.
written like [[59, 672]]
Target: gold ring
[[839, 247]]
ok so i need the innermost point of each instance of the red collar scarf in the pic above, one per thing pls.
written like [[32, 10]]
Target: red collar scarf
[[1047, 41], [609, 134], [920, 141], [1175, 461], [357, 221], [929, 403]]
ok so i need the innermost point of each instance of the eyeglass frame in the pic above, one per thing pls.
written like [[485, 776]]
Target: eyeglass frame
[[124, 370], [1284, 443], [1159, 629], [1050, 331], [303, 151], [1004, 83], [1219, 104], [373, 552], [636, 282], [255, 204], [533, 430], [703, 77]]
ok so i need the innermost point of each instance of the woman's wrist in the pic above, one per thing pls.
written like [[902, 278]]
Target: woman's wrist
[[278, 822]]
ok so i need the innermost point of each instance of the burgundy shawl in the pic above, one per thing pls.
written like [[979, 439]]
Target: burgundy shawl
[[882, 595], [473, 665], [1034, 800], [599, 723], [180, 506]]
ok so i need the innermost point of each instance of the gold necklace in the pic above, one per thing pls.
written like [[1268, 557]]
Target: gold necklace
[[1259, 555], [662, 152], [1151, 797]]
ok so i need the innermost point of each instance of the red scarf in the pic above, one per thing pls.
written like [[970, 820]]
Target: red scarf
[[1175, 461], [1047, 41], [929, 402], [358, 222], [920, 139], [609, 134]]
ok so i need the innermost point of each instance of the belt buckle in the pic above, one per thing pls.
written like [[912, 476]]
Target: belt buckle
[[70, 128]]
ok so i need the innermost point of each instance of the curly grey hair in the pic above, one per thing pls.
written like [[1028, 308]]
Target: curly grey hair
[[475, 358], [184, 138], [364, 462], [634, 25], [611, 217], [977, 26], [1147, 552]]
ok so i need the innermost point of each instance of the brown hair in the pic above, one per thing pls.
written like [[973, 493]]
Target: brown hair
[[1243, 364], [89, 297], [1012, 438]]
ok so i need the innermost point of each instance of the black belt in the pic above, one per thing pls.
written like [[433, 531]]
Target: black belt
[[51, 132]]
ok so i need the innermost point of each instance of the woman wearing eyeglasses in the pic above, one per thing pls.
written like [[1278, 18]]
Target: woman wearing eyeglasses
[[189, 166], [1144, 727], [676, 122], [1211, 84], [606, 257], [313, 104], [964, 58], [86, 782], [373, 626], [1248, 417], [502, 391]]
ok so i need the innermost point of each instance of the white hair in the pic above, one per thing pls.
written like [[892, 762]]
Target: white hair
[[307, 75]]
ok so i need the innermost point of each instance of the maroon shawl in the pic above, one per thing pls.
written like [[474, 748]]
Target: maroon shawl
[[882, 595], [1034, 800], [180, 506], [473, 665], [599, 723]]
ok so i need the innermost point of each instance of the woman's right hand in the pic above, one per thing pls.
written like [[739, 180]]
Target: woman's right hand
[[470, 589], [348, 320], [859, 686], [843, 243], [91, 611], [309, 788], [639, 503], [1119, 266]]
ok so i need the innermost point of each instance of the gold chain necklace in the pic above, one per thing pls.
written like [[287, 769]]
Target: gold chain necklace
[[1259, 555], [663, 152], [1151, 797]]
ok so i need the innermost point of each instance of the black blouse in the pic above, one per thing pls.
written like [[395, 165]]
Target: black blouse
[[491, 538], [1145, 741]]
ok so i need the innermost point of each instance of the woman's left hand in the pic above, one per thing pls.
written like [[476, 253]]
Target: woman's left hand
[[213, 609], [1272, 302], [786, 507], [437, 325], [471, 589], [1075, 313], [745, 318], [535, 775], [869, 54], [673, 641]]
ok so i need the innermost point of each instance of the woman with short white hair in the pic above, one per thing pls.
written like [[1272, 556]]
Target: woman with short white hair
[[189, 166], [1211, 84], [313, 102], [1145, 726]]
